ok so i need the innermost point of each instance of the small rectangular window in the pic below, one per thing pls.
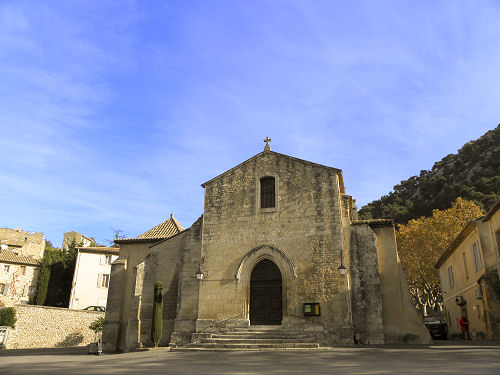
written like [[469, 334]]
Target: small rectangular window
[[465, 266], [6, 268], [267, 192], [105, 281], [451, 281], [476, 256], [23, 270], [3, 289]]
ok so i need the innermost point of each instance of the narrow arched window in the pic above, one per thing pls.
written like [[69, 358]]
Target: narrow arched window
[[267, 192]]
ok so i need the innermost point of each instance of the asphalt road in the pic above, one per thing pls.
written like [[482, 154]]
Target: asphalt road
[[436, 359]]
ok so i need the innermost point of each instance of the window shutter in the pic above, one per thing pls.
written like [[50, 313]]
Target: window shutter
[[99, 280], [443, 284], [474, 261], [479, 260]]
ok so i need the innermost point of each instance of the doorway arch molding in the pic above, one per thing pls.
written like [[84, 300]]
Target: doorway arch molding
[[259, 253]]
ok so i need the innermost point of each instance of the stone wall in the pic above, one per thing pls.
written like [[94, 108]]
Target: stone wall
[[305, 225], [50, 327], [366, 298]]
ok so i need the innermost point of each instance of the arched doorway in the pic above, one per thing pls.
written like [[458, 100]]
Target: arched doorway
[[265, 294]]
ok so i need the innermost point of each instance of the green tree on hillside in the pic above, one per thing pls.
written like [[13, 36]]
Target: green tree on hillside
[[473, 174]]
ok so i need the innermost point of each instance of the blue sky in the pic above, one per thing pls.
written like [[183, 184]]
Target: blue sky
[[112, 113]]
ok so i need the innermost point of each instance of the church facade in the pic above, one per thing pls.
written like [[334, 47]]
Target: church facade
[[278, 244]]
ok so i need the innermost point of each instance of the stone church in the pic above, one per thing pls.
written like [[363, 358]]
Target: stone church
[[278, 247]]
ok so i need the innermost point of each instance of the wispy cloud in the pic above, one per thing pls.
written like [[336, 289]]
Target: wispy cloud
[[113, 114]]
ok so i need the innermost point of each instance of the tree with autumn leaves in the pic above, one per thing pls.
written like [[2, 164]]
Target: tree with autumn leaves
[[421, 243]]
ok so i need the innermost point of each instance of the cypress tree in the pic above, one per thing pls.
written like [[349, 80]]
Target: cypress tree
[[157, 326], [43, 285]]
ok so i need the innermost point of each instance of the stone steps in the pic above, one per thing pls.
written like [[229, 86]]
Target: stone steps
[[254, 338], [247, 346], [190, 349], [247, 341]]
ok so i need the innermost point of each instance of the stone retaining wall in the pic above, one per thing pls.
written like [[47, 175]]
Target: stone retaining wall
[[50, 327]]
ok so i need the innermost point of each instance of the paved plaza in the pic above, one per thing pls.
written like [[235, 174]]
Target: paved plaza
[[444, 358]]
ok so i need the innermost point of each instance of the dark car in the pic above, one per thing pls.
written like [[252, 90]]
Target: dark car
[[95, 308], [437, 328]]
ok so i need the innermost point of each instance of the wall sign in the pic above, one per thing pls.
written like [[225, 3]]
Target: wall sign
[[311, 309]]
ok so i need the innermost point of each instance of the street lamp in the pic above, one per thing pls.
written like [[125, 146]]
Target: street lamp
[[199, 274], [342, 269]]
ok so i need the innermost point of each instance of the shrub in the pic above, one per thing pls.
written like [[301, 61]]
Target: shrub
[[8, 317], [96, 325], [157, 327]]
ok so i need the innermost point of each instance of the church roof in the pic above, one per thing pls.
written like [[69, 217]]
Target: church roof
[[490, 213], [164, 230], [7, 256], [375, 222], [339, 171]]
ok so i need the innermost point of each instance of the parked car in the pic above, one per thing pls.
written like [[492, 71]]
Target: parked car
[[437, 328], [95, 308]]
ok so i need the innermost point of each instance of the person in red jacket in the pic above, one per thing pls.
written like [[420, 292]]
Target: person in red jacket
[[464, 326]]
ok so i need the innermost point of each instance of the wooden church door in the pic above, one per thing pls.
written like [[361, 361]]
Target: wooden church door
[[265, 294]]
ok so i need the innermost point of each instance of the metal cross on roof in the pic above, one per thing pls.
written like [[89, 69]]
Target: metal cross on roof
[[267, 147]]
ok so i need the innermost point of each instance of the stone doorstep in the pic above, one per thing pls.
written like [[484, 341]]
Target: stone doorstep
[[248, 335], [255, 346], [253, 338], [246, 341], [189, 349], [276, 328]]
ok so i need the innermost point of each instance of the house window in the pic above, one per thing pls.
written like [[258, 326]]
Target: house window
[[465, 266], [23, 270], [476, 257], [3, 289], [6, 268], [103, 280], [451, 281], [443, 284], [267, 192], [107, 259]]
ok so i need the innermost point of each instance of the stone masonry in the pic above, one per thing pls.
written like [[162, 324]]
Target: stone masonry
[[309, 232], [49, 327]]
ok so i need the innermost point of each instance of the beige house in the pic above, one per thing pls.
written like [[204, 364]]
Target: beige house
[[469, 272], [278, 248], [91, 276], [18, 277], [20, 255]]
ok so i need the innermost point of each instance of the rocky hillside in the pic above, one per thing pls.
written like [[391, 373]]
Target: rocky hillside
[[473, 174]]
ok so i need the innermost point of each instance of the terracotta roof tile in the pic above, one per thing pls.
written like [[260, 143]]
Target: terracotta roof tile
[[11, 257], [164, 230], [490, 213], [375, 222], [100, 249]]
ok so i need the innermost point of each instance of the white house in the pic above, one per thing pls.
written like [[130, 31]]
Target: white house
[[91, 277]]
